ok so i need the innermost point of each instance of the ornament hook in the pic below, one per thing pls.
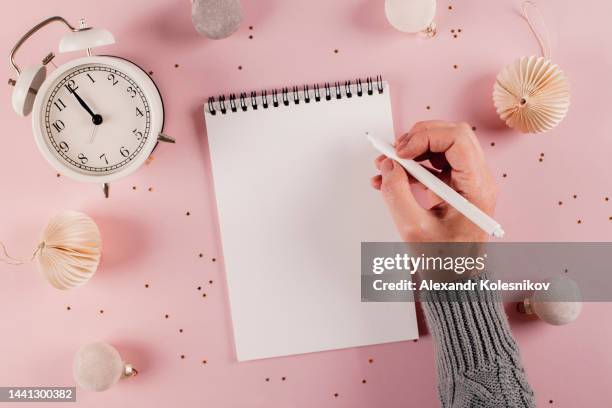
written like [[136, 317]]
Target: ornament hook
[[431, 30], [544, 42], [129, 370]]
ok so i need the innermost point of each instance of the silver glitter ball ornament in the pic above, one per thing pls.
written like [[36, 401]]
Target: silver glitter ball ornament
[[216, 19]]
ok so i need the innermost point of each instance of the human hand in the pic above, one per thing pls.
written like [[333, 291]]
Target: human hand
[[453, 150]]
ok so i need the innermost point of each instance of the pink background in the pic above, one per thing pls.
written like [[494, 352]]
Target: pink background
[[149, 239]]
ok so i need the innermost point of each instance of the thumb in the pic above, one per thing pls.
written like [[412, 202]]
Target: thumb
[[407, 213]]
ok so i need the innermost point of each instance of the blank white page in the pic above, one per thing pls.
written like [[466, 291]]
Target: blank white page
[[294, 200]]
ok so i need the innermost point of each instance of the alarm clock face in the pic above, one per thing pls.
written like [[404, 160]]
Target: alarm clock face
[[97, 118]]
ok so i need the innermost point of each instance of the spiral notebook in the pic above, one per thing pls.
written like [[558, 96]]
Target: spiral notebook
[[292, 171]]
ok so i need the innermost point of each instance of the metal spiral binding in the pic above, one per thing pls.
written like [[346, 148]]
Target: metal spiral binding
[[296, 95], [275, 98], [349, 89], [243, 103], [222, 104], [232, 100], [338, 90], [264, 99]]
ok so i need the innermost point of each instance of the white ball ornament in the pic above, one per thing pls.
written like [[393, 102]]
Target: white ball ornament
[[412, 16], [560, 304], [98, 366], [216, 19]]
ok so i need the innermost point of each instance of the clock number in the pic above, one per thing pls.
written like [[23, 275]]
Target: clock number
[[131, 91], [139, 112], [71, 86], [83, 158], [137, 133], [111, 77], [93, 81], [103, 156], [59, 125], [124, 152], [59, 104], [64, 147]]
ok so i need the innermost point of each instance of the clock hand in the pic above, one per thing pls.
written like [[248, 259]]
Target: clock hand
[[96, 119], [93, 134]]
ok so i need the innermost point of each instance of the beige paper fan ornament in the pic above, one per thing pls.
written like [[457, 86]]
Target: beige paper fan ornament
[[531, 95], [69, 252]]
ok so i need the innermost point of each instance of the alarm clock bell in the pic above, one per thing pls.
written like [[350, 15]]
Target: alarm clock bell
[[29, 80]]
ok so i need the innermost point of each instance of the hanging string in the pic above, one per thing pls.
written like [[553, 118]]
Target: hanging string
[[14, 261], [543, 42]]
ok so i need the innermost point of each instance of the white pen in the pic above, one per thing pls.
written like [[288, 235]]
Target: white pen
[[441, 189]]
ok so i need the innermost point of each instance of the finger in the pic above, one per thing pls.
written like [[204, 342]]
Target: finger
[[434, 200], [379, 160], [459, 149], [376, 181], [407, 213], [437, 160], [440, 210], [432, 124], [424, 125], [411, 179]]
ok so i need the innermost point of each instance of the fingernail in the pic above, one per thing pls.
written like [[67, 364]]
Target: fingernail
[[387, 166], [401, 145], [401, 138]]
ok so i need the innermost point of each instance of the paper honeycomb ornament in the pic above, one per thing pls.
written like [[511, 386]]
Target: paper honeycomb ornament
[[531, 94]]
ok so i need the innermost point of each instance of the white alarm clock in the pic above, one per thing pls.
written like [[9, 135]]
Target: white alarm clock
[[95, 118]]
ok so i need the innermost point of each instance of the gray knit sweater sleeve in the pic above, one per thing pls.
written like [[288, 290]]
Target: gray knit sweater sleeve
[[477, 359]]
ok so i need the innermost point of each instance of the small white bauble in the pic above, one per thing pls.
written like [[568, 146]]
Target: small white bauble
[[98, 366], [411, 16], [216, 19], [560, 304], [557, 313]]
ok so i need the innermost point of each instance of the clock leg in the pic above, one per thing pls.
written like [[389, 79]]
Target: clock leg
[[165, 138], [106, 188]]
